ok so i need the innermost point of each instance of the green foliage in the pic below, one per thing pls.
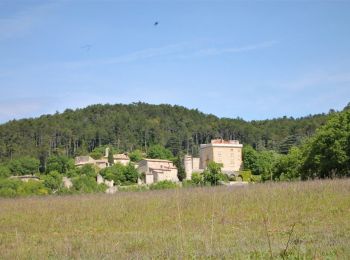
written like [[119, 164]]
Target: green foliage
[[159, 152], [181, 174], [4, 171], [250, 158], [265, 164], [23, 166], [120, 174], [87, 184], [161, 185], [327, 154], [197, 178], [53, 181], [213, 173], [32, 188], [260, 162], [246, 175], [61, 164], [97, 154], [88, 170], [288, 167], [256, 178], [136, 155], [110, 157], [14, 187], [131, 174], [9, 187]]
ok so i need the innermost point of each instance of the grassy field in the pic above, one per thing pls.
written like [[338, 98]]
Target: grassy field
[[306, 220]]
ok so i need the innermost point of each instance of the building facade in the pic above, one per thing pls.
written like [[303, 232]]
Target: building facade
[[226, 152], [154, 170]]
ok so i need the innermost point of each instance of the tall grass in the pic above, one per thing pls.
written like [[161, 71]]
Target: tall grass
[[277, 220]]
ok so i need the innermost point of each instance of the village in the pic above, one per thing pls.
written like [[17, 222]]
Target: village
[[227, 153]]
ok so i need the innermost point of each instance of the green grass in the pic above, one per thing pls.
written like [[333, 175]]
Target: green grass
[[220, 222]]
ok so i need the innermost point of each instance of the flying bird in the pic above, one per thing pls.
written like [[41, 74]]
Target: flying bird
[[86, 47], [156, 23]]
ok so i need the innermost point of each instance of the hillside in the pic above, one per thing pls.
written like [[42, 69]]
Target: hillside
[[139, 125]]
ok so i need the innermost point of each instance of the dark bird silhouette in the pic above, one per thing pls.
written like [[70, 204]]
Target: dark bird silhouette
[[156, 23], [86, 47]]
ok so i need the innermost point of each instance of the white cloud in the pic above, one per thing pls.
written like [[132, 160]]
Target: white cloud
[[180, 50], [220, 51]]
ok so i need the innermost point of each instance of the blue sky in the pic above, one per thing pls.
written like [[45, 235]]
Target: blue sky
[[249, 59]]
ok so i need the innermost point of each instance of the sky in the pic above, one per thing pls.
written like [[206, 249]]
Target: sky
[[249, 59]]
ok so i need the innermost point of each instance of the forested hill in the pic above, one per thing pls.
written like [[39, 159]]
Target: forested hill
[[140, 125]]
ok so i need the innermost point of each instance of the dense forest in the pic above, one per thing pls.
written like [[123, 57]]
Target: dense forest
[[140, 125], [281, 149]]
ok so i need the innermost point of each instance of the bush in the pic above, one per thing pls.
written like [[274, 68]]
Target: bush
[[245, 175], [4, 171], [32, 188], [136, 156], [256, 178], [159, 152], [86, 184], [62, 164], [163, 185], [8, 187], [53, 181], [88, 170], [24, 166], [197, 178]]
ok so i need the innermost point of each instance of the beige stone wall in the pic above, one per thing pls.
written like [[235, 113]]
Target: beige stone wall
[[230, 155], [157, 170]]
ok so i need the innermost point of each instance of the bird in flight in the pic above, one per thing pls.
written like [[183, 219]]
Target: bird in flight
[[156, 23], [86, 47]]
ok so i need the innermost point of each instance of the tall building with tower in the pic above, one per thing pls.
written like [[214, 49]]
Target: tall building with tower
[[226, 152]]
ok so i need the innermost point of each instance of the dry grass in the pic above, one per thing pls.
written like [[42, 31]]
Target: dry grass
[[281, 220]]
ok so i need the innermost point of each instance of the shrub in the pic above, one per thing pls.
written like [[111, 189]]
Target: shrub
[[136, 156], [62, 164], [256, 178], [163, 185], [88, 170], [213, 173], [8, 187], [197, 178], [245, 175], [53, 181], [23, 166], [159, 152], [32, 188], [4, 171], [86, 184]]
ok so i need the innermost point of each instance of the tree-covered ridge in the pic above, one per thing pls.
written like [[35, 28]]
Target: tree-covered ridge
[[140, 125]]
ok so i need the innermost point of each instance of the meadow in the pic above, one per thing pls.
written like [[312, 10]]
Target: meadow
[[297, 220]]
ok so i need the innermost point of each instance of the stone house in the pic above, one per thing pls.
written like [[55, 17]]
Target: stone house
[[83, 160], [226, 152], [154, 170]]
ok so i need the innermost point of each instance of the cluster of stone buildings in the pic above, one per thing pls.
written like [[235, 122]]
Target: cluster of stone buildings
[[103, 162], [226, 152]]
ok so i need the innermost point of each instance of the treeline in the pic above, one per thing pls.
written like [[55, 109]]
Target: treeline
[[139, 126], [324, 155]]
